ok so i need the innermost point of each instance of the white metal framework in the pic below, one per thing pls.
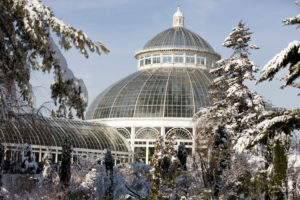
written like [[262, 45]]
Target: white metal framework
[[171, 84]]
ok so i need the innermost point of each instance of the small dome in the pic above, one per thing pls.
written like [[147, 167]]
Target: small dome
[[171, 92], [178, 38]]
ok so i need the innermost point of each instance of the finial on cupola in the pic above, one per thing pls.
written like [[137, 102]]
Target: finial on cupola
[[178, 19]]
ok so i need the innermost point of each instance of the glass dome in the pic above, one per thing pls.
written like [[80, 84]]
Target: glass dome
[[178, 38], [159, 92]]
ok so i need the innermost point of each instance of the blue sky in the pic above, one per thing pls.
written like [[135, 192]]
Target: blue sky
[[124, 26]]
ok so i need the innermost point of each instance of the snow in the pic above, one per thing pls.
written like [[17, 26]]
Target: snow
[[66, 74], [129, 179], [292, 20], [284, 117], [280, 61]]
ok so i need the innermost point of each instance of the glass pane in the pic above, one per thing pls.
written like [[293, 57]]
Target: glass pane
[[156, 58], [147, 60], [167, 58], [141, 61], [178, 58]]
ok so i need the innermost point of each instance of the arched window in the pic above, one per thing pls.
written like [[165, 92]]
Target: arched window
[[124, 131], [180, 133], [146, 133]]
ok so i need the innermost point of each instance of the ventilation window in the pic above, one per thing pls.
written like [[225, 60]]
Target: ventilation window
[[142, 61], [167, 58], [147, 60], [178, 58], [200, 60], [156, 58], [190, 58]]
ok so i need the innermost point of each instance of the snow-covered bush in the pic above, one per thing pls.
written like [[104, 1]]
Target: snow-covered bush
[[128, 180], [48, 169]]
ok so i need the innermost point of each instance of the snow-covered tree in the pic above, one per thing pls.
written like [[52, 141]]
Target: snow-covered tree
[[219, 160], [287, 120], [233, 104], [48, 170], [241, 105], [164, 168], [28, 164], [277, 125], [229, 124], [288, 57], [65, 168], [26, 44]]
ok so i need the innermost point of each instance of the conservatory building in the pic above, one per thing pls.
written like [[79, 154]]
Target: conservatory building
[[170, 85]]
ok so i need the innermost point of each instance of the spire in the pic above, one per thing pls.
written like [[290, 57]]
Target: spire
[[178, 19]]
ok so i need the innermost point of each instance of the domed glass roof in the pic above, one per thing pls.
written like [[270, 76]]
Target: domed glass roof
[[159, 92], [35, 130], [178, 38]]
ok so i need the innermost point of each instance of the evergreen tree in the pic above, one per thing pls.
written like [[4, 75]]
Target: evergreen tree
[[277, 125], [155, 172], [164, 169], [234, 110], [182, 155], [109, 167], [219, 160], [26, 45], [65, 168]]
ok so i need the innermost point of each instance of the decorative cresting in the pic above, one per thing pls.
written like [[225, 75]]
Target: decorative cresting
[[178, 19], [124, 131], [181, 133], [146, 133]]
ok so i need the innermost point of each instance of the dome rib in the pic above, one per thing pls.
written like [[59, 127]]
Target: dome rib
[[192, 90], [165, 93], [137, 101]]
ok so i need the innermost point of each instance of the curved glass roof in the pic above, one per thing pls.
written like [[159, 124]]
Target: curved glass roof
[[159, 92], [178, 37], [36, 130]]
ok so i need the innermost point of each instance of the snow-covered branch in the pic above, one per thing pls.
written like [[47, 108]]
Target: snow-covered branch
[[287, 57], [25, 27]]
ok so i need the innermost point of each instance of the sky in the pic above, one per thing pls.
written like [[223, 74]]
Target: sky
[[125, 26]]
